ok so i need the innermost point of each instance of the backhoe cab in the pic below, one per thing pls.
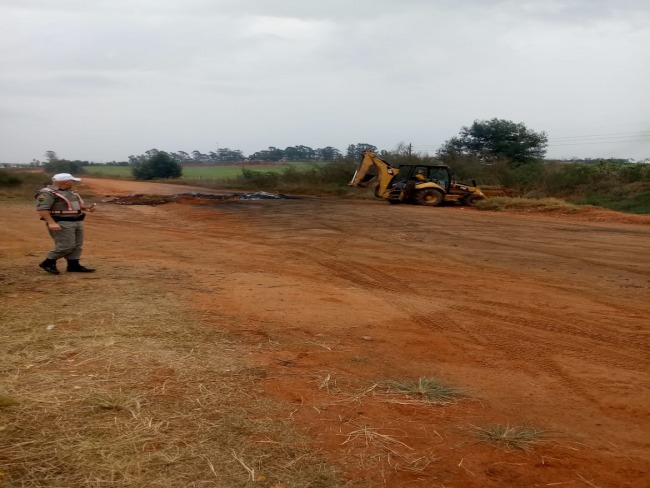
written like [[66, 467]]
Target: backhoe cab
[[420, 184]]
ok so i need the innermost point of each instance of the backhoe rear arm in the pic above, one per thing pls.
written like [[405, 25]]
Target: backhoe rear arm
[[386, 172]]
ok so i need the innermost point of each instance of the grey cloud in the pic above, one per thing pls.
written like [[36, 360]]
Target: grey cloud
[[360, 10], [259, 72], [341, 10], [63, 85]]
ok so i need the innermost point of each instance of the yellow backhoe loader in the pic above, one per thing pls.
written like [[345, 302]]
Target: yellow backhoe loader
[[420, 184]]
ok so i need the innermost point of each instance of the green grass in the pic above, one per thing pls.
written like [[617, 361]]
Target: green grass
[[109, 171], [300, 178], [631, 198], [635, 202], [220, 172]]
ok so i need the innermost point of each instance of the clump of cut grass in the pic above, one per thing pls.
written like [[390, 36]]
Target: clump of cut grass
[[426, 389], [397, 454], [510, 437], [112, 401], [7, 401]]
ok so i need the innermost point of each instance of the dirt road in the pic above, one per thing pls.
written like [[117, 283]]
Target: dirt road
[[543, 321]]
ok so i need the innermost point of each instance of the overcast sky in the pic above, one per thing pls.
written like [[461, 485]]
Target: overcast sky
[[100, 80]]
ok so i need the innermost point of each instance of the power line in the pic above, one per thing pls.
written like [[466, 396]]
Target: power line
[[584, 143], [575, 141], [585, 140], [612, 135]]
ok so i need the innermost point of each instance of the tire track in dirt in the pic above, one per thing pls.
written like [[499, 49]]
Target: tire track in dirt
[[528, 342], [400, 293], [579, 332], [509, 333], [368, 278], [404, 296], [592, 244], [506, 338]]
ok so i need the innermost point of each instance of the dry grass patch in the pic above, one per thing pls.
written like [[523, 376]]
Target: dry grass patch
[[528, 204], [382, 446], [7, 401], [429, 390], [510, 437], [109, 381]]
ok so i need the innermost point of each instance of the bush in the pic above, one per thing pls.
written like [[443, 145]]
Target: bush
[[259, 179], [8, 179], [635, 172], [325, 178], [527, 177], [157, 164], [64, 166], [338, 172], [631, 198], [21, 184]]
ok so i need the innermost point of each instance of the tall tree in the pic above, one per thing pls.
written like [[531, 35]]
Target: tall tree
[[51, 156], [199, 156], [355, 150], [229, 155], [328, 153], [490, 140], [270, 154], [56, 165], [299, 153]]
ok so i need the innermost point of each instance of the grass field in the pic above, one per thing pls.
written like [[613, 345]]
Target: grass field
[[199, 172]]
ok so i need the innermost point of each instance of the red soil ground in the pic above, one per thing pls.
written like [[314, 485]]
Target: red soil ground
[[542, 319]]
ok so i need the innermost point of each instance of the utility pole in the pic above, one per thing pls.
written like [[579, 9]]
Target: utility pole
[[410, 147]]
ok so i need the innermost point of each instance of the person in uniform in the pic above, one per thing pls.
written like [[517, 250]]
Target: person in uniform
[[420, 176], [63, 209]]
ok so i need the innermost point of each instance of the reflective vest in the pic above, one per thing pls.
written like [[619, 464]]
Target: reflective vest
[[70, 209]]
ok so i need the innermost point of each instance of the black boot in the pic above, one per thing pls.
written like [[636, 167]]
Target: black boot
[[49, 265], [75, 267]]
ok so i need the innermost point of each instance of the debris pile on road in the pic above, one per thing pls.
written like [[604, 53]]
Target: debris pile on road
[[154, 200], [260, 195], [140, 200]]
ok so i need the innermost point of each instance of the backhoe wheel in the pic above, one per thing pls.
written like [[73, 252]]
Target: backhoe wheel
[[429, 197], [470, 200]]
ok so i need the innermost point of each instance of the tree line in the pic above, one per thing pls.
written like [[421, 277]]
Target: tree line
[[485, 144], [493, 152], [271, 154]]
